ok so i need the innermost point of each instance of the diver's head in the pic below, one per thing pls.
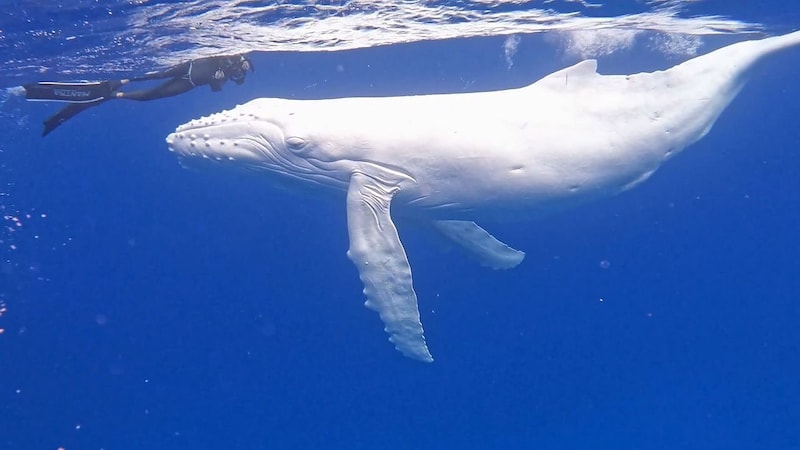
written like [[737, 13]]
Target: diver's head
[[236, 67]]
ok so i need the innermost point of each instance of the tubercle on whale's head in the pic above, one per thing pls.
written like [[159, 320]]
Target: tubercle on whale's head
[[244, 136], [233, 135]]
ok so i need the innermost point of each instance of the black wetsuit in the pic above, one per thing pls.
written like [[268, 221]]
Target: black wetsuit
[[213, 71]]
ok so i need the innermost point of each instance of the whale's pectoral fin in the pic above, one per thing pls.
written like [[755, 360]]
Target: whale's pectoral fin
[[489, 251], [378, 254]]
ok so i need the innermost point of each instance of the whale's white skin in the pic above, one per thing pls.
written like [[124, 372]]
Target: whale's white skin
[[570, 137]]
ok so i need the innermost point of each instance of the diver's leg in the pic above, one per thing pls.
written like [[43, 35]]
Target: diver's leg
[[172, 87]]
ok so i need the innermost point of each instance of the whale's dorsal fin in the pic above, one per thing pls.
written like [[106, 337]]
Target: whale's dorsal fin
[[587, 67], [571, 76]]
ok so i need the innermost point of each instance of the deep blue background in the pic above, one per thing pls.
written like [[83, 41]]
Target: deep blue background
[[165, 308]]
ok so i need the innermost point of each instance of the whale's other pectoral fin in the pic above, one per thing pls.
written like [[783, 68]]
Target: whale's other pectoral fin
[[478, 242], [378, 254]]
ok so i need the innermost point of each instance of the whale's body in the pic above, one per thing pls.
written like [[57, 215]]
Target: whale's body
[[570, 137]]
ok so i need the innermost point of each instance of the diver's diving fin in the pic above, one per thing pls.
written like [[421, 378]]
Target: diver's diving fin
[[73, 92], [82, 95], [65, 114]]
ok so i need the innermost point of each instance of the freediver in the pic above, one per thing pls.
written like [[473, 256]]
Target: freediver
[[213, 71]]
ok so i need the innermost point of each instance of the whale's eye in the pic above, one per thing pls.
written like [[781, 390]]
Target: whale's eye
[[295, 143]]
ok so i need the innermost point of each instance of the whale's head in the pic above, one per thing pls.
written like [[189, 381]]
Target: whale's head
[[260, 135]]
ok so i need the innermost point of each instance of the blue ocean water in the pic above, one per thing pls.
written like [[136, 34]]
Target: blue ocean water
[[147, 306]]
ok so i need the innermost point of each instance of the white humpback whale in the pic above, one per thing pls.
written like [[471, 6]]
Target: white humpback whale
[[452, 159]]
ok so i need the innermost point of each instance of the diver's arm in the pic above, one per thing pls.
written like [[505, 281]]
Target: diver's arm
[[216, 85]]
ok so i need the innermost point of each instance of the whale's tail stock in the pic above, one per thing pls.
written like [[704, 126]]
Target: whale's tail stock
[[777, 43], [711, 81], [740, 57]]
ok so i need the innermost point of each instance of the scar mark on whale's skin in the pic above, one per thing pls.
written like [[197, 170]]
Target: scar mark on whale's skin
[[572, 136]]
